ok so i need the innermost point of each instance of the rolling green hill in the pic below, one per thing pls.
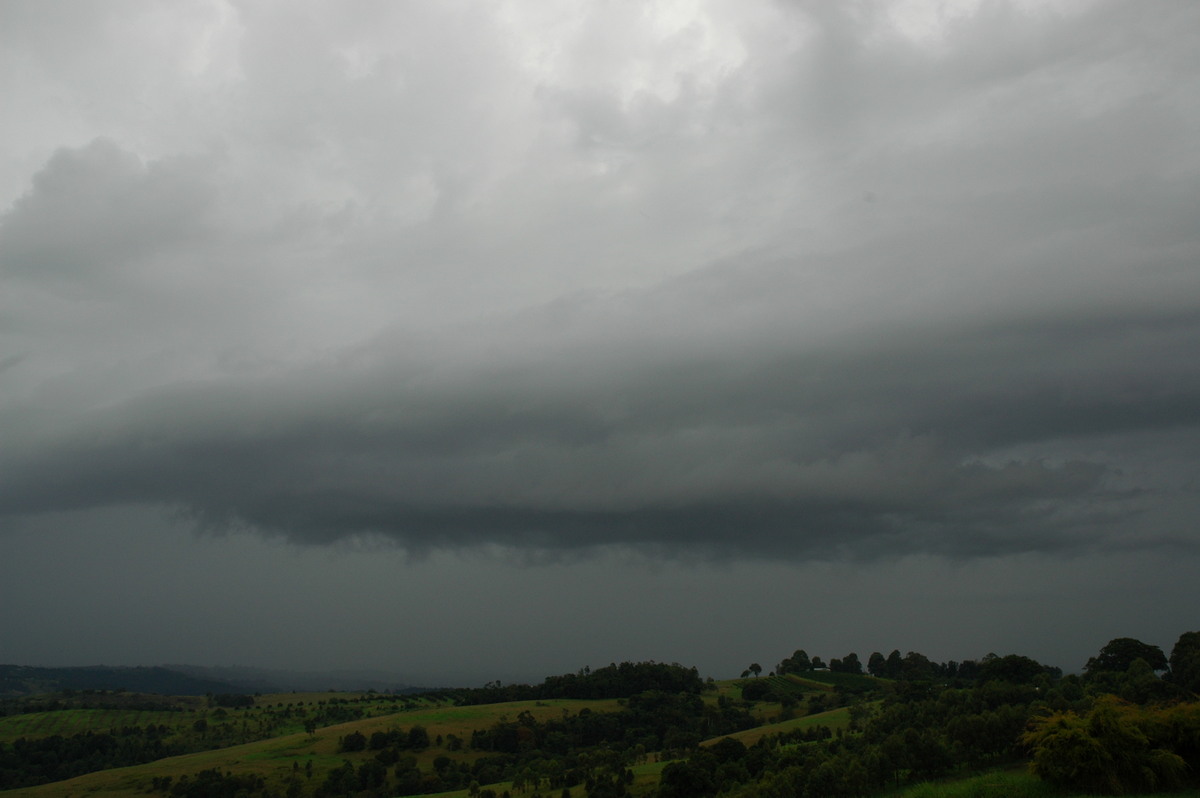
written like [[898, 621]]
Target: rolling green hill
[[635, 729]]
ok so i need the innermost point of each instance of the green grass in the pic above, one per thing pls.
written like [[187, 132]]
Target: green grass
[[827, 680], [267, 709], [795, 685], [1004, 784], [804, 684], [645, 781], [1007, 784], [77, 721], [835, 719]]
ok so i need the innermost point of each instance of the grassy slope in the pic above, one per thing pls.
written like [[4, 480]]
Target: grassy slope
[[70, 721], [273, 758], [835, 719]]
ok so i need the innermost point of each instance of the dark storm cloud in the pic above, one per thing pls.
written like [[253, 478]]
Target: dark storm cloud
[[541, 433], [794, 280]]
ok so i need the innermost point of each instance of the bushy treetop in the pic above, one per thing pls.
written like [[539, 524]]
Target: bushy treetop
[[1120, 653]]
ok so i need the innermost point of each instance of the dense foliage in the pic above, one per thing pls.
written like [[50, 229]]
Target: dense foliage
[[611, 681], [1121, 652], [938, 720], [24, 763], [1185, 662], [918, 732], [1117, 747], [588, 750]]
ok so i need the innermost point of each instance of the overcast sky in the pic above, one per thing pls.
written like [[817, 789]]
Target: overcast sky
[[492, 340]]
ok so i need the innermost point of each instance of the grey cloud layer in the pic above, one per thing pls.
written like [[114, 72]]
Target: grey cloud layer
[[824, 292], [867, 449]]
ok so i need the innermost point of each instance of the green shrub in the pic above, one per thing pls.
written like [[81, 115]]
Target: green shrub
[[1108, 751]]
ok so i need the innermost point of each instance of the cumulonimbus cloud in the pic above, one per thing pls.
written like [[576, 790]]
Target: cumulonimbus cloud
[[832, 290]]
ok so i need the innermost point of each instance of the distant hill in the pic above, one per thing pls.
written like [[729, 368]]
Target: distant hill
[[23, 680], [267, 680]]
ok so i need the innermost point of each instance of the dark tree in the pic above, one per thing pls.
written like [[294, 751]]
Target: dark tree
[[757, 691], [371, 774], [1120, 653], [756, 669], [1185, 662], [341, 781], [1012, 668], [797, 663], [895, 665], [876, 664], [728, 750], [354, 741], [968, 670], [686, 780], [847, 664], [418, 738], [916, 667]]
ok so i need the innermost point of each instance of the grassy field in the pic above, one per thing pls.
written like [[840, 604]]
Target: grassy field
[[78, 720], [835, 719]]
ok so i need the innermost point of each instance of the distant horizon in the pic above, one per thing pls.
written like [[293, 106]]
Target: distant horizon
[[399, 675]]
